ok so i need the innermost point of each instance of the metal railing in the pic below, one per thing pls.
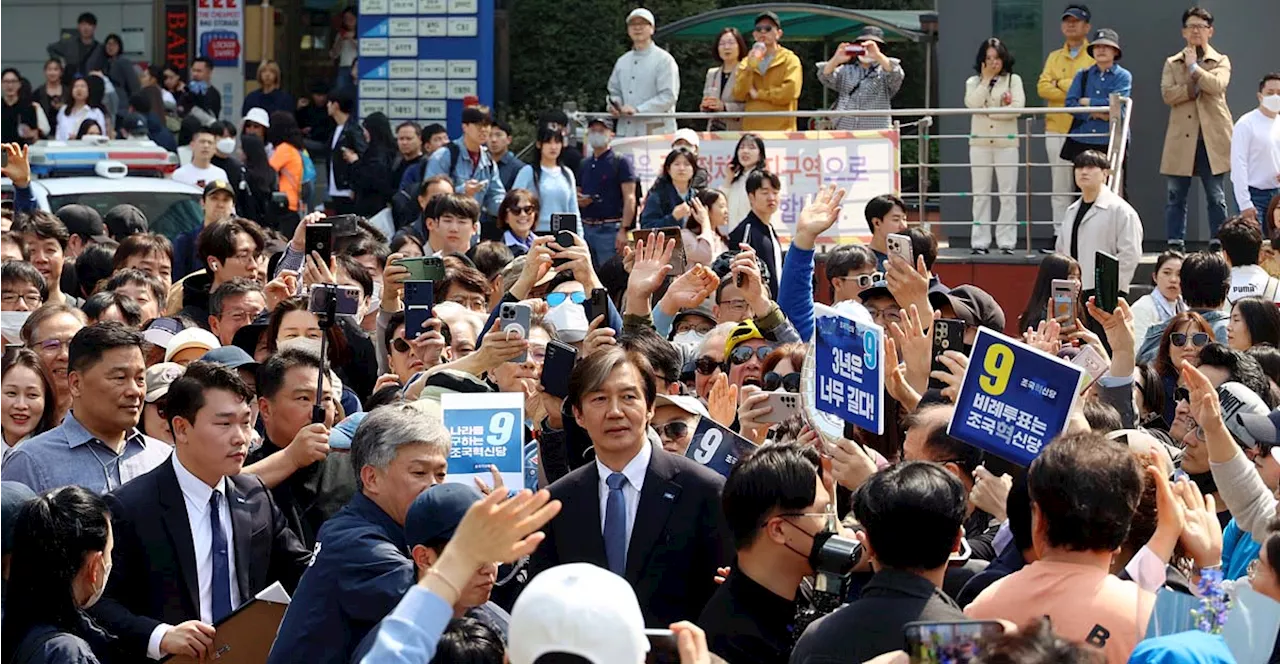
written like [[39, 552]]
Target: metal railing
[[1119, 111]]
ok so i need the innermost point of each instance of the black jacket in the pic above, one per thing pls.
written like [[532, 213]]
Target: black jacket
[[311, 495], [210, 100], [760, 236], [195, 298], [154, 578], [872, 626], [747, 624], [352, 136], [678, 539], [371, 181]]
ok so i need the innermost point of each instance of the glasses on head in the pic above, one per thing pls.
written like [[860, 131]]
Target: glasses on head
[[556, 299], [707, 365], [673, 430], [32, 300], [743, 354], [789, 382], [1199, 339]]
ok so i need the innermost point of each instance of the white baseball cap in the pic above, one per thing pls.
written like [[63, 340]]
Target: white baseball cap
[[259, 116], [192, 337], [691, 405], [578, 609], [688, 135], [643, 13]]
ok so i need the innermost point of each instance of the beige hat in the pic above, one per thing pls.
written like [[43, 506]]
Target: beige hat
[[160, 377], [192, 337], [691, 405]]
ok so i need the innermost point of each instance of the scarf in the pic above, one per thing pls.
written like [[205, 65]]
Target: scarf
[[1166, 309]]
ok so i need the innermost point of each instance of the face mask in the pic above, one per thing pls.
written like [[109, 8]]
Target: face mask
[[11, 324], [598, 140], [1271, 103], [375, 300], [569, 321], [97, 594], [226, 145], [198, 87], [689, 337], [865, 59]]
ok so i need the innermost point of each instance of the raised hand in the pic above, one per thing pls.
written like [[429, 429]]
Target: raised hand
[[914, 337], [1201, 534], [652, 264], [18, 170], [722, 401], [503, 529], [850, 464], [895, 378], [956, 364], [599, 336], [537, 263], [990, 493], [689, 290], [820, 212]]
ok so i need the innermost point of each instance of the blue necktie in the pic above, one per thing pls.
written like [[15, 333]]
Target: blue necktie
[[221, 569], [615, 524]]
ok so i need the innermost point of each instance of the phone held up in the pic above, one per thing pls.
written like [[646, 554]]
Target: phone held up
[[556, 368], [900, 245], [423, 268], [514, 319], [419, 298], [948, 334]]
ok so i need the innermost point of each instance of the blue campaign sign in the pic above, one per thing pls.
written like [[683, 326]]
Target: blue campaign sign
[[485, 430], [716, 447], [420, 58], [849, 371], [1014, 398]]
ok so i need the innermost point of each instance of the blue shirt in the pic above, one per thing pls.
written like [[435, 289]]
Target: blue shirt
[[68, 454], [557, 192], [409, 635], [491, 196], [602, 179], [1093, 87]]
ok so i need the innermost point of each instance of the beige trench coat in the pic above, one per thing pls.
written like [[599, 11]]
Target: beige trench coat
[[1206, 114]]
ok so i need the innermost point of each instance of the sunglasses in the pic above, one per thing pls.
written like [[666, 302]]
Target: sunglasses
[[400, 345], [1199, 339], [789, 382], [556, 299], [866, 280], [523, 209], [707, 365], [1182, 394], [765, 27], [673, 430], [742, 354]]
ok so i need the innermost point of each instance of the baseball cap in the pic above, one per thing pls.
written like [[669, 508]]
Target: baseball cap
[[607, 123], [741, 333], [160, 377], [877, 289], [436, 512], [192, 337], [218, 185], [1235, 400], [124, 220], [161, 330], [13, 495], [688, 135], [473, 115], [83, 220], [691, 405], [1078, 11], [972, 305], [641, 12], [578, 609], [231, 357], [258, 116], [703, 310], [772, 16], [470, 100], [135, 124], [1263, 428]]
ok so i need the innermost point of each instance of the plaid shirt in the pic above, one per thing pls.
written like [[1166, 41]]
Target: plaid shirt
[[862, 89]]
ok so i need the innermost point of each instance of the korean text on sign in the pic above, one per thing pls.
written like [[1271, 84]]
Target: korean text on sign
[[485, 430], [1014, 398], [849, 373], [716, 447]]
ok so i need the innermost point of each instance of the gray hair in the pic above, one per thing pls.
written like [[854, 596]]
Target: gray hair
[[385, 430]]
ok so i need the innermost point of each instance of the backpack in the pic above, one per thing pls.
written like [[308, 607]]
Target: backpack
[[308, 168]]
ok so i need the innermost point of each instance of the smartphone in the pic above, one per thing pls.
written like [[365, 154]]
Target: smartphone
[[556, 368], [342, 299], [679, 263], [513, 318], [1106, 281], [948, 334], [345, 225], [900, 245], [597, 305], [565, 239], [1062, 304], [424, 268], [960, 641], [415, 320], [319, 239], [420, 294], [561, 222], [1093, 364], [663, 648], [785, 404]]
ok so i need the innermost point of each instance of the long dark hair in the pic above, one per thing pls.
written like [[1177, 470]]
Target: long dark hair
[[284, 129], [25, 357], [735, 166], [262, 178], [1053, 266], [84, 128], [678, 153], [1261, 318], [1002, 52], [1162, 363], [382, 141], [70, 98], [53, 534]]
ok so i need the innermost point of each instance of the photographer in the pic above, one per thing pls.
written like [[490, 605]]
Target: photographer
[[775, 503], [912, 515]]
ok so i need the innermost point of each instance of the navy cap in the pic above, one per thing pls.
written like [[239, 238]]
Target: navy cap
[[1264, 428], [246, 338], [232, 357], [13, 495], [878, 289], [436, 512], [1078, 11]]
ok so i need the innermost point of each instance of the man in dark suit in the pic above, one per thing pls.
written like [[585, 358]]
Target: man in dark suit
[[649, 516], [194, 538]]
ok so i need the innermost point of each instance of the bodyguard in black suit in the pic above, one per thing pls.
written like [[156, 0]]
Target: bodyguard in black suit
[[650, 516], [194, 539]]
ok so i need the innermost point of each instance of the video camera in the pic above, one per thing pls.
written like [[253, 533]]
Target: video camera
[[833, 559]]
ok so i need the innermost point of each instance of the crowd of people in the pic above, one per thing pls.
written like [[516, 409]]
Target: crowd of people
[[182, 428]]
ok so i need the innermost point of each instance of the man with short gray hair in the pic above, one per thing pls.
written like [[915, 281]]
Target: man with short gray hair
[[361, 569]]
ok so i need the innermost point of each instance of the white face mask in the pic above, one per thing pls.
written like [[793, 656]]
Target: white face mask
[[689, 337], [866, 60], [1271, 103], [597, 140], [569, 321], [97, 594], [226, 146], [375, 300], [11, 323]]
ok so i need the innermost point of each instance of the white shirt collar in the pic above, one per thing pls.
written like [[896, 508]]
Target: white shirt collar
[[635, 468], [193, 488]]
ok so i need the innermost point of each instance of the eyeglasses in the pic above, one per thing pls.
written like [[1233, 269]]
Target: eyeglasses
[[1199, 339], [673, 430], [51, 345], [11, 298], [891, 315], [556, 299], [743, 354], [706, 365], [790, 382], [734, 305], [703, 328], [1197, 26], [524, 209]]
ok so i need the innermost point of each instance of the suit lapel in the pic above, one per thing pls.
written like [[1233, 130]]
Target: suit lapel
[[657, 498], [583, 506], [241, 532], [176, 521]]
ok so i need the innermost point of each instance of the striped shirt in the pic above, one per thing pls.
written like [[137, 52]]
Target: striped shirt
[[863, 89]]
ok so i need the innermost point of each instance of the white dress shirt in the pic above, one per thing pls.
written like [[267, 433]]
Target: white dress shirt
[[196, 494], [1255, 156], [635, 471]]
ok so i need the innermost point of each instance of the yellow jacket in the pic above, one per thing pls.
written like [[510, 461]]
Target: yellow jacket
[[778, 89], [1055, 80]]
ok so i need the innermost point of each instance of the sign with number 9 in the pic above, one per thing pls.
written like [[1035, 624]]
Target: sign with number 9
[[871, 352], [501, 425], [998, 365], [707, 446]]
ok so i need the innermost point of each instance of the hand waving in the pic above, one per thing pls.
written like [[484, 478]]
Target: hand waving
[[819, 214], [652, 263]]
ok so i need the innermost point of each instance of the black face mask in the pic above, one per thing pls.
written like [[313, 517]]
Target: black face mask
[[1204, 481]]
